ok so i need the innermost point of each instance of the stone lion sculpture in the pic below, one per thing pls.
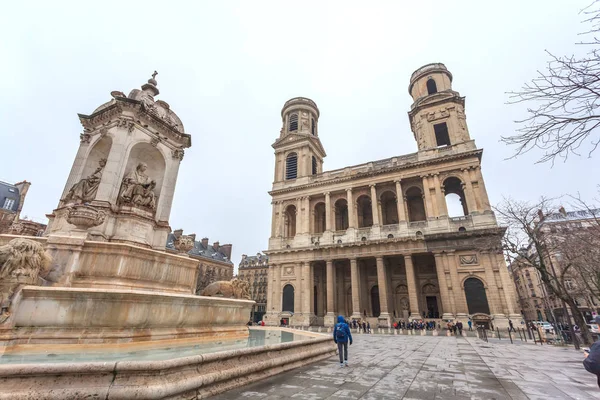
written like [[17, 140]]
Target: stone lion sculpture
[[21, 263], [234, 289]]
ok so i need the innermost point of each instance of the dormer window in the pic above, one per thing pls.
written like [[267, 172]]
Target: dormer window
[[8, 204], [293, 126], [431, 86]]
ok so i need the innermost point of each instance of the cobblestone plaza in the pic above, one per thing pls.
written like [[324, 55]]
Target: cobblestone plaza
[[429, 367]]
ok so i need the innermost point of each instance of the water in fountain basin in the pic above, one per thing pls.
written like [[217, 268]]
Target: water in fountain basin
[[257, 337]]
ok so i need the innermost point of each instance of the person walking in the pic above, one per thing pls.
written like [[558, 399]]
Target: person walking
[[511, 327], [470, 325], [368, 327], [341, 336], [459, 325]]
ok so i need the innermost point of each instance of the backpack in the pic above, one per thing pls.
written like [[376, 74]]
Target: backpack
[[340, 332]]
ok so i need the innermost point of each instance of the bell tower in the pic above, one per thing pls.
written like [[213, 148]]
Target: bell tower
[[437, 115], [299, 153]]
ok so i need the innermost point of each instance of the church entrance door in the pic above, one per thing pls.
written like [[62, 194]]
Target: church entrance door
[[375, 307], [432, 307]]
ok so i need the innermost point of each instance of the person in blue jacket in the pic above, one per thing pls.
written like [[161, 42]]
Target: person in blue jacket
[[341, 336]]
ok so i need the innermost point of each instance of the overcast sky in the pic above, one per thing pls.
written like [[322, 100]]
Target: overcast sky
[[226, 68]]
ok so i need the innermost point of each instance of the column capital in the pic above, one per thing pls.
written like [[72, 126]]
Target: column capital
[[327, 193], [408, 257], [398, 180], [372, 185], [353, 259], [348, 190], [379, 258]]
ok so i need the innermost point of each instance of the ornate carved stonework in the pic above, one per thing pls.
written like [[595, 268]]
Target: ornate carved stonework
[[21, 262], [138, 189], [470, 259], [235, 289], [288, 271], [178, 154], [183, 243], [84, 216], [85, 138], [85, 190]]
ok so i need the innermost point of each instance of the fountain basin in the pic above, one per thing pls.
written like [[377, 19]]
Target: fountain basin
[[192, 377], [67, 315]]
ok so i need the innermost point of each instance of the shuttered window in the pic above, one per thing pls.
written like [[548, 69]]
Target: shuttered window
[[293, 123], [291, 166], [314, 165]]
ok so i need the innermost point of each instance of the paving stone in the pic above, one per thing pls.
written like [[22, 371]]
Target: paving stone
[[434, 368]]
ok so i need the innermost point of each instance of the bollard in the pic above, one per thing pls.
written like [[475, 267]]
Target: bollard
[[498, 332], [423, 332], [435, 332], [524, 335]]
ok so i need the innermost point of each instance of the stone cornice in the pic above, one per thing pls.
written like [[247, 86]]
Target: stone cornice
[[91, 122], [423, 103], [383, 171], [297, 138]]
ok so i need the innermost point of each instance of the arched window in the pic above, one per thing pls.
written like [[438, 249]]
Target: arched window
[[389, 209], [375, 307], [455, 197], [288, 298], [416, 206], [341, 215], [314, 165], [312, 127], [290, 221], [476, 297], [431, 86], [293, 126], [365, 212], [319, 226], [291, 166]]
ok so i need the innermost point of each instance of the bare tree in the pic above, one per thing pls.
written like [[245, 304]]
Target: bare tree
[[581, 247], [526, 242], [563, 101]]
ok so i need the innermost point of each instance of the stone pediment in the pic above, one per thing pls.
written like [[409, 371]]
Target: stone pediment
[[294, 138]]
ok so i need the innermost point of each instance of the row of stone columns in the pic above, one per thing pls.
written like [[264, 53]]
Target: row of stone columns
[[433, 195], [453, 300]]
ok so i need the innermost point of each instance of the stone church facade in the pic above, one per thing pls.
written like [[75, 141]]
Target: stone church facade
[[375, 241]]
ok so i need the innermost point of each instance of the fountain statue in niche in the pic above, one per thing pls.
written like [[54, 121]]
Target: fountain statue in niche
[[138, 188], [85, 190]]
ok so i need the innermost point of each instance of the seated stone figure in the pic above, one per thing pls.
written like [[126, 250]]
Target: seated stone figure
[[85, 190], [138, 189]]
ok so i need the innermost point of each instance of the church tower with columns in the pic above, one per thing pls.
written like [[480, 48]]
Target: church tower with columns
[[404, 238]]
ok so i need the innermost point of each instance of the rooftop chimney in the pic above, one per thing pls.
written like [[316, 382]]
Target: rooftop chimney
[[205, 242], [226, 249], [216, 245]]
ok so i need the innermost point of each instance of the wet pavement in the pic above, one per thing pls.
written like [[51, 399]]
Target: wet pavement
[[434, 367]]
